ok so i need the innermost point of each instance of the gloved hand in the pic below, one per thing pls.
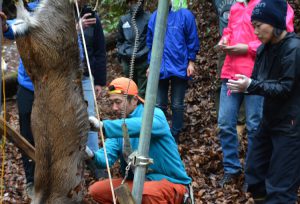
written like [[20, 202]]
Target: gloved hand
[[89, 152], [95, 123], [239, 86]]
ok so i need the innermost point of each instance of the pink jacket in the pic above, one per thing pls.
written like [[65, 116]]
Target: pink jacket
[[240, 30]]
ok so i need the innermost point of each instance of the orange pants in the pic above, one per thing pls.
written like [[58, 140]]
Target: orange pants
[[155, 192]]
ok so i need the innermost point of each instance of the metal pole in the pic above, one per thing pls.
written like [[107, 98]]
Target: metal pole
[[1, 35], [151, 93]]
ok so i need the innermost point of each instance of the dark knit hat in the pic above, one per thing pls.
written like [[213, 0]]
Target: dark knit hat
[[272, 12]]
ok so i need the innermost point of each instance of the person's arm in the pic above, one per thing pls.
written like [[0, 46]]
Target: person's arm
[[99, 71], [113, 128], [227, 31], [113, 152], [281, 87], [191, 35], [150, 34], [120, 34], [290, 19]]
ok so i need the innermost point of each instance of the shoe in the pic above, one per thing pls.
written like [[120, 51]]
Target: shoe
[[30, 190], [261, 200], [228, 178], [245, 187]]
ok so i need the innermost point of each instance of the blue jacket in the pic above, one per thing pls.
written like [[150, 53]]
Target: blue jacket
[[23, 78], [163, 149], [181, 43]]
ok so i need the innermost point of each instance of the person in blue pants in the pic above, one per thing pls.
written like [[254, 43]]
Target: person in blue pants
[[273, 167]]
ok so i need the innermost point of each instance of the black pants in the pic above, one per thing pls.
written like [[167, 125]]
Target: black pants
[[273, 167], [25, 99]]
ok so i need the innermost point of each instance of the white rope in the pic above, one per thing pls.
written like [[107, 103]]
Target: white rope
[[95, 100]]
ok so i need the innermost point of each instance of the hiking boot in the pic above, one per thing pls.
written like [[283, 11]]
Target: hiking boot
[[30, 190], [261, 200], [228, 178], [245, 187]]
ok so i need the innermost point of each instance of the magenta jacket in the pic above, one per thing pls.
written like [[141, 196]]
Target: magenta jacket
[[240, 30]]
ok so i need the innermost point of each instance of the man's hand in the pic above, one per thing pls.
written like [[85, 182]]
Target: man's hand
[[98, 91], [95, 123], [147, 72], [86, 21], [3, 18], [240, 85], [238, 49], [190, 69], [89, 152]]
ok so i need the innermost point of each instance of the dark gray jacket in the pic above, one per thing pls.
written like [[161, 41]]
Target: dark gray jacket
[[222, 8], [126, 35], [95, 43], [276, 76]]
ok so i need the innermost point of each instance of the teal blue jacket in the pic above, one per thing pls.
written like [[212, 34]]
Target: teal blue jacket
[[163, 149]]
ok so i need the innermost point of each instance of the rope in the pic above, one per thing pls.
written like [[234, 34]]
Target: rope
[[127, 149], [95, 100], [4, 137], [96, 6], [132, 61]]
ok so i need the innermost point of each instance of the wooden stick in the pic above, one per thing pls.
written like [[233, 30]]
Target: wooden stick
[[18, 140]]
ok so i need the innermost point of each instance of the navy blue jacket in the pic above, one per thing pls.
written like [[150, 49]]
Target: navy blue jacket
[[95, 43]]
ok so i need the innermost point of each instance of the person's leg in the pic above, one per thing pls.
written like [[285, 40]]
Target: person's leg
[[92, 141], [283, 180], [242, 114], [162, 95], [125, 66], [228, 112], [258, 162], [25, 99], [178, 89], [141, 78], [220, 62], [154, 192], [101, 191], [161, 192], [254, 109]]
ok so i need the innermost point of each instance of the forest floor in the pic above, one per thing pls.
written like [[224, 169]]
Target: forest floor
[[199, 145]]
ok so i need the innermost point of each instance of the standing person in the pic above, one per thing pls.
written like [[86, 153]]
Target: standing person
[[273, 167], [25, 98], [222, 8], [95, 43], [125, 44], [177, 67], [166, 178], [240, 44]]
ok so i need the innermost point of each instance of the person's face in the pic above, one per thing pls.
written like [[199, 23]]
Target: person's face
[[117, 102], [263, 31]]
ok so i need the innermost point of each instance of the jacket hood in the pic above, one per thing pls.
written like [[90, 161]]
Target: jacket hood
[[140, 9]]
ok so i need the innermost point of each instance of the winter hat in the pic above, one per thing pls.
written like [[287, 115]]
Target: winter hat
[[272, 12], [124, 85]]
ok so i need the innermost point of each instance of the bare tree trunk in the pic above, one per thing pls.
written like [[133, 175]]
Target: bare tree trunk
[[47, 42]]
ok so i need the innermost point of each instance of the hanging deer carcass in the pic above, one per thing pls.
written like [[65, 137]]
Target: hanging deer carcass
[[48, 45]]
